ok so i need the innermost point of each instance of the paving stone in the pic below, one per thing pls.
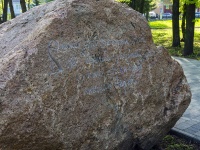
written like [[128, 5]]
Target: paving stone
[[183, 132], [197, 118], [180, 121], [189, 123], [197, 137], [190, 131], [196, 126], [183, 126], [192, 115], [196, 96]]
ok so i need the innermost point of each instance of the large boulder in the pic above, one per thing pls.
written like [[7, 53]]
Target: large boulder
[[85, 74]]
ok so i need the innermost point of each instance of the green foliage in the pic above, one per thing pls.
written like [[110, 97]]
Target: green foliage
[[170, 142], [49, 1], [147, 6], [152, 5], [191, 2], [1, 7], [34, 3], [179, 147], [29, 1], [182, 2], [124, 1], [169, 139]]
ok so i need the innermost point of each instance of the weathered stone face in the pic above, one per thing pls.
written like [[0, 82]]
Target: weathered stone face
[[86, 75]]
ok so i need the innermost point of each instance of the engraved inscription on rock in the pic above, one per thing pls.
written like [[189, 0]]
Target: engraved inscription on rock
[[100, 59]]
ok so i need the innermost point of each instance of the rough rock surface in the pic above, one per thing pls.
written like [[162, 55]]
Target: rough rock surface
[[85, 74]]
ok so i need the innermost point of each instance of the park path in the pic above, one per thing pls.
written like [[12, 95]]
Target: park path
[[189, 124]]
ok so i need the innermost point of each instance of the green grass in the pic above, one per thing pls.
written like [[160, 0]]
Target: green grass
[[163, 36], [172, 143], [166, 24], [161, 24]]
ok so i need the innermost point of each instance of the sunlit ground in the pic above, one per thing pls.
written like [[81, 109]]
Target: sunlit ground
[[162, 35]]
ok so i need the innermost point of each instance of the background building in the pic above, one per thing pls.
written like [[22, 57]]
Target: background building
[[164, 6]]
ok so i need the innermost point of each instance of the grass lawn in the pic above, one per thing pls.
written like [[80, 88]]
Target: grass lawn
[[166, 24], [162, 35]]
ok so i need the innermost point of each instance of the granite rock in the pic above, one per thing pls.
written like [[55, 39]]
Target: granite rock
[[85, 74]]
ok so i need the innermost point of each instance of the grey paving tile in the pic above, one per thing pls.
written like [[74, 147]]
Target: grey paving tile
[[187, 115], [196, 126], [198, 65], [196, 95], [194, 112], [195, 90], [193, 128], [190, 131], [183, 132], [195, 98], [198, 138], [197, 118], [197, 133], [189, 123], [184, 118], [189, 107], [183, 126], [181, 120]]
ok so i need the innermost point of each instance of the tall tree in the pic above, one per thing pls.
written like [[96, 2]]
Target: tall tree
[[132, 4], [23, 5], [148, 6], [189, 32], [29, 4], [1, 11], [5, 10], [11, 9], [36, 2], [183, 22], [141, 8], [175, 24], [1, 7]]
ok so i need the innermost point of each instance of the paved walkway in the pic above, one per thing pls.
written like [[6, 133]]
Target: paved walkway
[[189, 123]]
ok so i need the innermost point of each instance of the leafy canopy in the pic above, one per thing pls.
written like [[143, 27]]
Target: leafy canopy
[[1, 7]]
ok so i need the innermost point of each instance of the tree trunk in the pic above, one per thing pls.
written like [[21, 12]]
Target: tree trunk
[[147, 15], [175, 24], [1, 16], [36, 2], [29, 7], [5, 10], [23, 5], [183, 23], [2, 2], [189, 32], [11, 9], [132, 4], [141, 9]]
